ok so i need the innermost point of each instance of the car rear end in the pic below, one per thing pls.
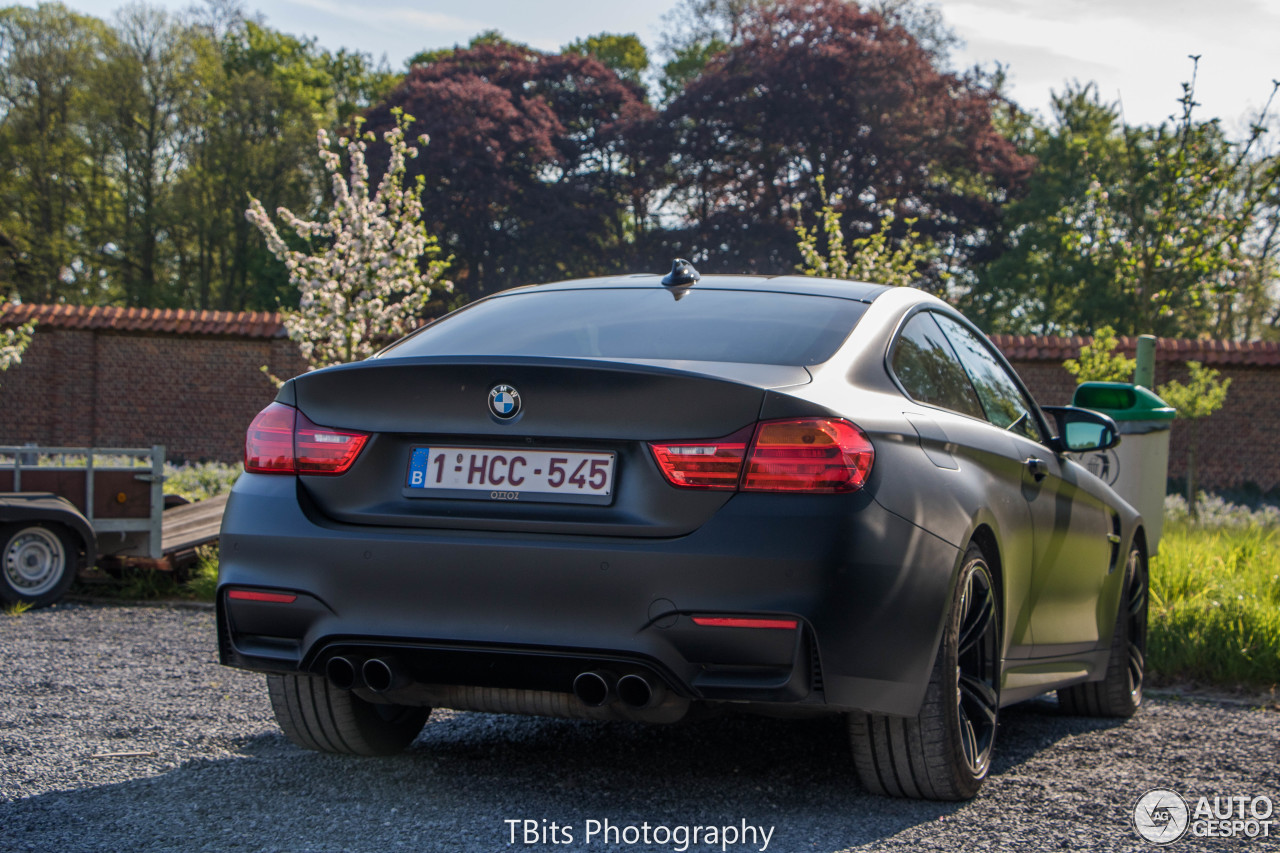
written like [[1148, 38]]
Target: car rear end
[[509, 513]]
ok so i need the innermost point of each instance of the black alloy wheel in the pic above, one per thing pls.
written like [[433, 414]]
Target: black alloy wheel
[[1136, 607], [977, 670], [944, 752], [1119, 693]]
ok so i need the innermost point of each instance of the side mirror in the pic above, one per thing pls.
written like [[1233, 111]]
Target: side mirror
[[1082, 430]]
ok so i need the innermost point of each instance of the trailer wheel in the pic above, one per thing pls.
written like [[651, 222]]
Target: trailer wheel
[[37, 563]]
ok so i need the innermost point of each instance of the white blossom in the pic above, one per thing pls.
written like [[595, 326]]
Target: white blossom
[[12, 344], [373, 269]]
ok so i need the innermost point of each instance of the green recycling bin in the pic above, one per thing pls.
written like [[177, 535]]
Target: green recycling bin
[[1138, 467]]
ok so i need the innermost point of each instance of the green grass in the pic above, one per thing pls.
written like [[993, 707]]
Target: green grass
[[203, 580], [16, 608], [199, 480], [1215, 601], [197, 583]]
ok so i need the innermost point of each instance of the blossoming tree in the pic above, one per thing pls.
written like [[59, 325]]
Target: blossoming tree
[[370, 265], [12, 344], [871, 258]]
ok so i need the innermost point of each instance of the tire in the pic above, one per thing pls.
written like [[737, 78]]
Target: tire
[[1119, 694], [944, 752], [316, 715], [37, 563]]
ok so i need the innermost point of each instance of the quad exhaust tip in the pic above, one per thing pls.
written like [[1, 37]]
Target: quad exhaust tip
[[380, 675], [341, 672], [376, 674], [639, 693], [595, 689]]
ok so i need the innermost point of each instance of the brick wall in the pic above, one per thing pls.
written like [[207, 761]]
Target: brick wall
[[1238, 447], [117, 377], [193, 392]]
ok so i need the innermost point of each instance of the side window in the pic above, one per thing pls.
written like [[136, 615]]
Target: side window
[[1002, 399], [928, 369]]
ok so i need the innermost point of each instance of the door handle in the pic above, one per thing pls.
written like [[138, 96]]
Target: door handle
[[1039, 470]]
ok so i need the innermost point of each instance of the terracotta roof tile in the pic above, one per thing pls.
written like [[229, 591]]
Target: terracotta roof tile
[[178, 321], [1058, 348]]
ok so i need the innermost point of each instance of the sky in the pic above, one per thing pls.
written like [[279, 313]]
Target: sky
[[1135, 50]]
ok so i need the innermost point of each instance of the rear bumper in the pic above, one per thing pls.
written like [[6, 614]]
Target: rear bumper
[[867, 592]]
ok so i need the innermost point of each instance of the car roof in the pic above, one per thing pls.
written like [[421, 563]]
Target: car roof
[[857, 291]]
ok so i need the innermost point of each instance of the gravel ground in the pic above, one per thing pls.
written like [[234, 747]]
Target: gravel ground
[[119, 732]]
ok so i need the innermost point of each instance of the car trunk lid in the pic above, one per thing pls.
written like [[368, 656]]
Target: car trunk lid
[[581, 410]]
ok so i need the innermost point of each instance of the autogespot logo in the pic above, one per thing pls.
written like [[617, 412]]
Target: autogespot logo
[[1161, 816]]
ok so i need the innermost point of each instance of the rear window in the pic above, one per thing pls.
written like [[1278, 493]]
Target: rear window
[[703, 325]]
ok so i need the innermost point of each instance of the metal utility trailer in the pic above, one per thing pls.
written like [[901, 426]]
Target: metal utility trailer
[[64, 508]]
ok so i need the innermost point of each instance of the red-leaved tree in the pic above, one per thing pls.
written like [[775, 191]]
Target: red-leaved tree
[[819, 87], [529, 174]]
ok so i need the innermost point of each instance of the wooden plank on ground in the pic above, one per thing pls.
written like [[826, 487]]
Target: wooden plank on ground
[[191, 525]]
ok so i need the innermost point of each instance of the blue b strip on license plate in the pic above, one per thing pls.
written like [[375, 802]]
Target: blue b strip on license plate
[[418, 467]]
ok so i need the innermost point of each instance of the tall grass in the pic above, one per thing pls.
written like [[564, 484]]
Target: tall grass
[[203, 580], [196, 481], [1215, 597]]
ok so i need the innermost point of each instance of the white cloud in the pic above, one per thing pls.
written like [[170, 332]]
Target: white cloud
[[1136, 50], [393, 18]]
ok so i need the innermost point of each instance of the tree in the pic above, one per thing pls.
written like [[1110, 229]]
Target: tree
[[1149, 229], [696, 32], [530, 175], [825, 253], [1099, 361], [259, 100], [126, 151], [357, 84], [821, 87], [370, 265], [624, 55], [925, 23], [486, 38], [1202, 395], [148, 77], [13, 342], [49, 59]]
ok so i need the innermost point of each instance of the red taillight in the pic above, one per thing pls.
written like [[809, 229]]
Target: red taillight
[[268, 445], [715, 464], [320, 450], [282, 441], [802, 455], [810, 455]]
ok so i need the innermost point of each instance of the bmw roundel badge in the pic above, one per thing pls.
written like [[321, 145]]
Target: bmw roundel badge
[[504, 402]]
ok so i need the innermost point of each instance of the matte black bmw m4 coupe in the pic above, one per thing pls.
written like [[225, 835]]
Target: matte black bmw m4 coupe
[[639, 498]]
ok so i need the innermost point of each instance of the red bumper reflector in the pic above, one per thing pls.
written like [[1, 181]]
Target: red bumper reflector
[[732, 622], [254, 595]]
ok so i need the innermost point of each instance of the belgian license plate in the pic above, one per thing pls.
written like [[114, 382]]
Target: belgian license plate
[[505, 474]]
